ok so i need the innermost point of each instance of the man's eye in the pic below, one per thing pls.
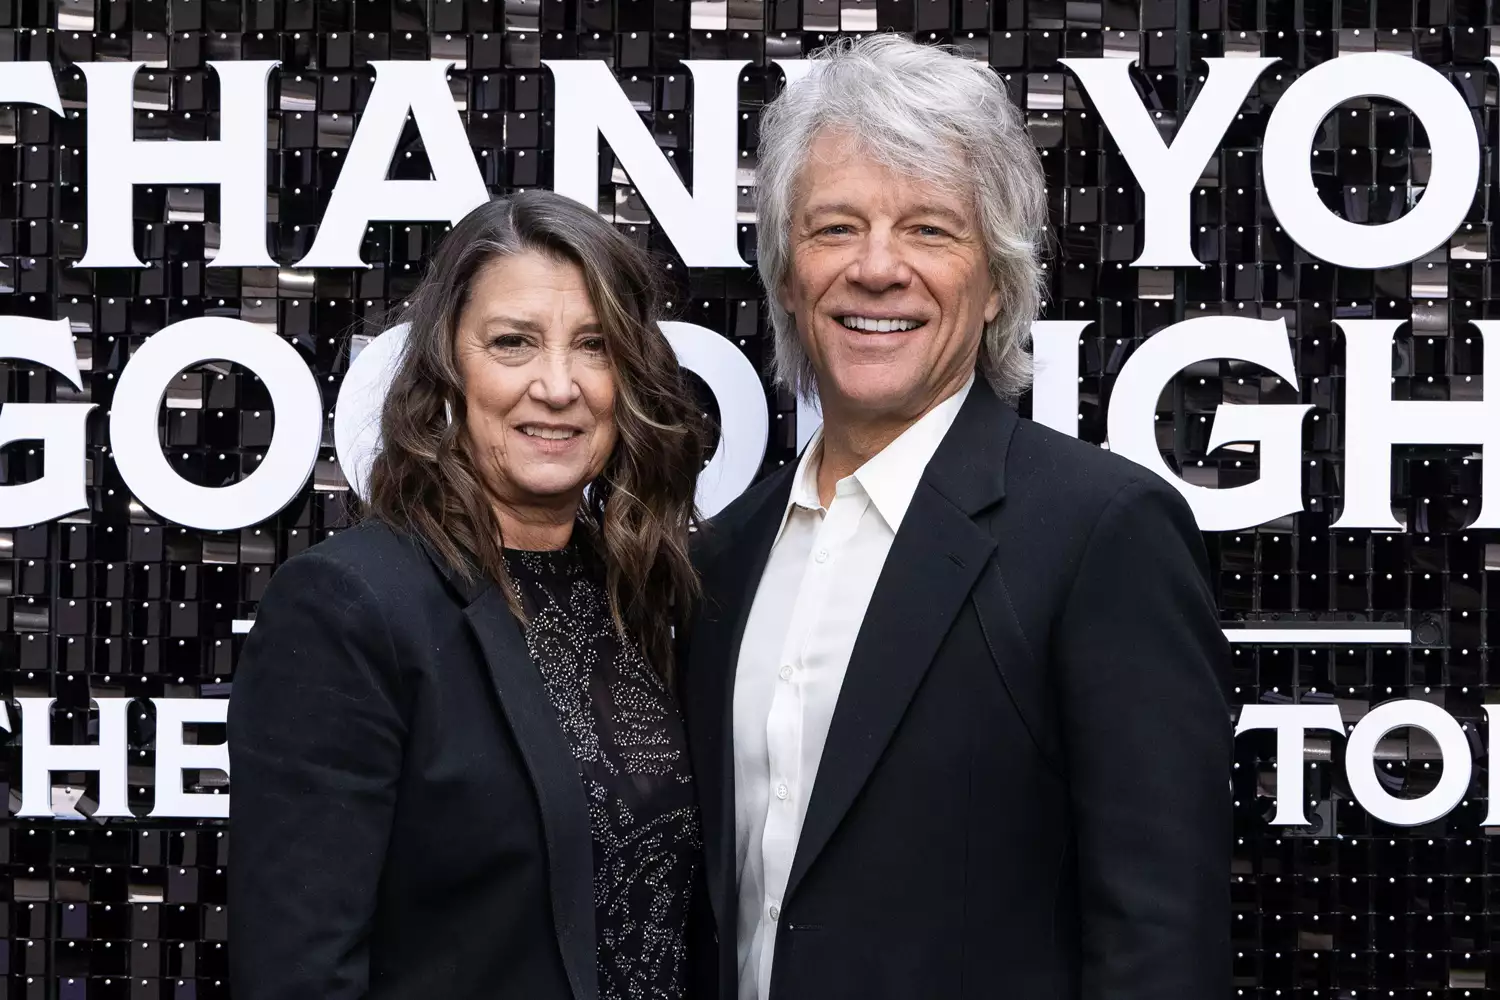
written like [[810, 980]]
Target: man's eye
[[836, 230], [932, 231]]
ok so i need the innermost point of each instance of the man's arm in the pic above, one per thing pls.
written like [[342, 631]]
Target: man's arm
[[315, 755], [1141, 662]]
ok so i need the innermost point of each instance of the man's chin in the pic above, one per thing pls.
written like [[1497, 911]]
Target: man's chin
[[873, 396]]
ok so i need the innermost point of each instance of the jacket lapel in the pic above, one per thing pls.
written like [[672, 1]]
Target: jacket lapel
[[934, 561], [553, 770], [729, 584]]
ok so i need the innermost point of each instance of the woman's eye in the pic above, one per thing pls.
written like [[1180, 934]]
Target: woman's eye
[[509, 342], [594, 345]]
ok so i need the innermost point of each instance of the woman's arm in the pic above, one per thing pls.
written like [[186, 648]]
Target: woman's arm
[[315, 747]]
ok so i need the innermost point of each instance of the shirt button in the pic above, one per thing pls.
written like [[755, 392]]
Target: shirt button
[[786, 673], [775, 912], [822, 555], [781, 792]]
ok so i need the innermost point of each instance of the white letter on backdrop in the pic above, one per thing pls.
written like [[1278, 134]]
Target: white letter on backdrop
[[1054, 386], [61, 427], [1359, 762], [356, 414], [173, 756], [590, 103], [29, 82], [40, 757], [137, 444], [1166, 174], [743, 423], [1291, 723], [1492, 733], [1294, 126], [236, 162], [362, 193], [1373, 422], [1277, 427], [794, 69]]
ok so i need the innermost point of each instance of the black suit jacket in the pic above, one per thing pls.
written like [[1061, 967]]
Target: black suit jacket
[[408, 819], [1025, 787]]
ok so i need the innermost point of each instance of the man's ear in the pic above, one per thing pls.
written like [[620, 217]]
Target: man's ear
[[783, 299], [992, 304]]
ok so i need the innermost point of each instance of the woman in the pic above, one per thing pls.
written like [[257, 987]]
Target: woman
[[458, 766]]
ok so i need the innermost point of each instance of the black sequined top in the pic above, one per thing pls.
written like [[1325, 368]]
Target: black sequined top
[[622, 722]]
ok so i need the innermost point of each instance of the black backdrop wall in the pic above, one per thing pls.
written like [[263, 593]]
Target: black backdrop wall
[[114, 603]]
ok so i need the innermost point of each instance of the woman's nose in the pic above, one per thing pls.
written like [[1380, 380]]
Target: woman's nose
[[554, 383]]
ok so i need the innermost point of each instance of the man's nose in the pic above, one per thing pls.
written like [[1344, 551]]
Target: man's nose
[[880, 264]]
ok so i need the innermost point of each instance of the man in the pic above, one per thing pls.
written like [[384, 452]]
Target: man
[[954, 694]]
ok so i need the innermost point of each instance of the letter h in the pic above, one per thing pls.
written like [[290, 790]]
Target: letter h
[[1374, 422], [236, 162], [40, 757]]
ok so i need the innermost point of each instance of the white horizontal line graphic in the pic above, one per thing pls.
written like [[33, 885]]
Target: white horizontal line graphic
[[1328, 634]]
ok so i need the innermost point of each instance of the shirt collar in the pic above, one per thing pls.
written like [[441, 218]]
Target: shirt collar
[[891, 476]]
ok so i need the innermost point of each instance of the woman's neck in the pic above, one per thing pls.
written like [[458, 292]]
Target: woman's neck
[[536, 527]]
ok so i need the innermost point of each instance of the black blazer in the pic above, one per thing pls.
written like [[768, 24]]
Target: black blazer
[[1025, 788], [408, 819]]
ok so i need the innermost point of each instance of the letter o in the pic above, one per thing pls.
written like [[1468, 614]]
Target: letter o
[[1294, 126], [743, 421], [1359, 762], [356, 415], [294, 444]]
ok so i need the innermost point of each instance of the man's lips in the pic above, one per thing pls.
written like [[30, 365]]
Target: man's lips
[[875, 323]]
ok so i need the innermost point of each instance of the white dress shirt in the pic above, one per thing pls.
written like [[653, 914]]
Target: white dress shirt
[[806, 615]]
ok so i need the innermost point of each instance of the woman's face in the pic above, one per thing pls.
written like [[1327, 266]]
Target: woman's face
[[540, 388]]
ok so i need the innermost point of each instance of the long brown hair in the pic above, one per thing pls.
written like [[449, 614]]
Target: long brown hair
[[639, 509]]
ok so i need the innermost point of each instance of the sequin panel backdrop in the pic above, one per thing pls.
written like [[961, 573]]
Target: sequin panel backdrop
[[113, 603]]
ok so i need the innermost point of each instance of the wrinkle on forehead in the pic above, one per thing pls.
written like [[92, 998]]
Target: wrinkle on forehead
[[921, 166]]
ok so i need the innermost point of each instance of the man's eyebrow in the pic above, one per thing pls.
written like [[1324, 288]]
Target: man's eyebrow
[[941, 211], [829, 208], [925, 208]]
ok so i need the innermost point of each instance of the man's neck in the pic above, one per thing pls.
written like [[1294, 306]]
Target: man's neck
[[851, 440]]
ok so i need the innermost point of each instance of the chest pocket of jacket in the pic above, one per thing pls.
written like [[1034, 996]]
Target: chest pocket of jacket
[[1025, 675]]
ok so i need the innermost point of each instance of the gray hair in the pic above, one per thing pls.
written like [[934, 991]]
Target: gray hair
[[905, 104]]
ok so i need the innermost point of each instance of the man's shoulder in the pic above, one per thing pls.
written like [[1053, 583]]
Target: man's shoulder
[[1051, 468]]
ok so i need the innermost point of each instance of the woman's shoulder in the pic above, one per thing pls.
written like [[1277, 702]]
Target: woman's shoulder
[[387, 562]]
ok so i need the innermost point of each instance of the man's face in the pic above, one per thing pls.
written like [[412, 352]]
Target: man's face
[[888, 284]]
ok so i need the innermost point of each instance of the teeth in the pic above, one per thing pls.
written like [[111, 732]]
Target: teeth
[[879, 325], [548, 433]]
